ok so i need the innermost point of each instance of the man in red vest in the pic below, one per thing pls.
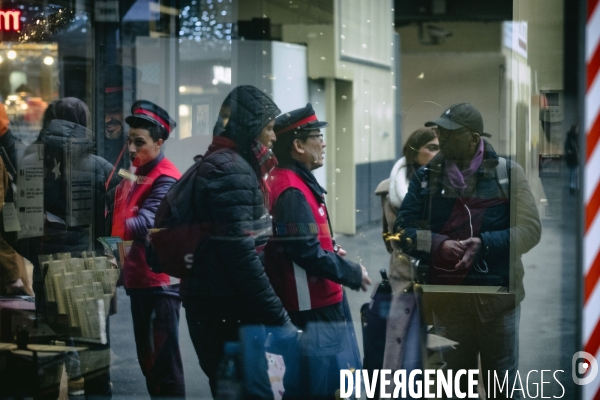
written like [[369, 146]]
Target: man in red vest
[[305, 266], [155, 301]]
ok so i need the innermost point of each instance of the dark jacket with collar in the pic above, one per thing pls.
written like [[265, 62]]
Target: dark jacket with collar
[[508, 225], [305, 250], [302, 241], [227, 270]]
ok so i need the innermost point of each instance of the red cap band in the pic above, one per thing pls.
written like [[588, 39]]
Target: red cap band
[[156, 117], [114, 89], [297, 124]]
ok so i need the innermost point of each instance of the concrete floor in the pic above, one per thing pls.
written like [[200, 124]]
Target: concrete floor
[[126, 375], [548, 313]]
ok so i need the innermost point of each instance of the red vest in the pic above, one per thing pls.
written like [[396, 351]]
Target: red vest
[[129, 197], [298, 290]]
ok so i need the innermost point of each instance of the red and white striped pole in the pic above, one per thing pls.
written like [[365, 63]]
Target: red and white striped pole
[[591, 250]]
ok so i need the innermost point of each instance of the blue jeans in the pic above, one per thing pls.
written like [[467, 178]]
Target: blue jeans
[[327, 345], [495, 341]]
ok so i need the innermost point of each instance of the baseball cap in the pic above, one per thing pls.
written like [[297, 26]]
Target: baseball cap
[[462, 115]]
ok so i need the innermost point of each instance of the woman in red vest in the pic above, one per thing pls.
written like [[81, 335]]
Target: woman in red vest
[[155, 301]]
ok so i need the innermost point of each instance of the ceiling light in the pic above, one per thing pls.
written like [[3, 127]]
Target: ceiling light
[[48, 60], [11, 54], [184, 110]]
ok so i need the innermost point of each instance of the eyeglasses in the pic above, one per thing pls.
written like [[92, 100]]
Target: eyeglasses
[[320, 136]]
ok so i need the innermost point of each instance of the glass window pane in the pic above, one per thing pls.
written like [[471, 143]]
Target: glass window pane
[[397, 180]]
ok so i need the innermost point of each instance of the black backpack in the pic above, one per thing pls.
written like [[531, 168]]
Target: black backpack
[[176, 235]]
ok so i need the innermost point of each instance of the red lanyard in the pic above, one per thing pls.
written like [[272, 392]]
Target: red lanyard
[[115, 166]]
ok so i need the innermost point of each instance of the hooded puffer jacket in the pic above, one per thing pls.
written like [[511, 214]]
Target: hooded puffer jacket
[[228, 198], [65, 125]]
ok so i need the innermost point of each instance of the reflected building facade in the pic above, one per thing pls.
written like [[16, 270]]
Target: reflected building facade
[[375, 70]]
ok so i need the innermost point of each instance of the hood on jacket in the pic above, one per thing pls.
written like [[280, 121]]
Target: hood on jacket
[[3, 120], [251, 111], [68, 109], [65, 120]]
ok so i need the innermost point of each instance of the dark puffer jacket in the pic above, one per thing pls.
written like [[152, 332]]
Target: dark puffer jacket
[[507, 229], [64, 125], [228, 198]]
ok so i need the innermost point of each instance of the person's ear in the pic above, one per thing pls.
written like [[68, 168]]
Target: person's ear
[[159, 143], [298, 146]]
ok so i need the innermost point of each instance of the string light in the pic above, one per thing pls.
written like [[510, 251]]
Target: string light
[[40, 24], [209, 23]]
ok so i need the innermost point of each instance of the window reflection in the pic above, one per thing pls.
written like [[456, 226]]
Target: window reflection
[[377, 72]]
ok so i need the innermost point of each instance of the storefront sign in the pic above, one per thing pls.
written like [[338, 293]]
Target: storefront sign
[[10, 20], [79, 188]]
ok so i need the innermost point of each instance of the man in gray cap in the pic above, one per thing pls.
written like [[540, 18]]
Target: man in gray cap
[[304, 264], [470, 223]]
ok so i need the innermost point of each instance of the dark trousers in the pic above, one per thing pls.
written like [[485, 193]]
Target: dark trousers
[[312, 371], [209, 333], [573, 179], [496, 342], [156, 328]]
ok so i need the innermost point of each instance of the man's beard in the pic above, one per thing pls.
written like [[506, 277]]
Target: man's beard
[[113, 135]]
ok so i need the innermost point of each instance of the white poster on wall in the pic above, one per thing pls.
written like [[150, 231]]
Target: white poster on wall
[[30, 198], [80, 199]]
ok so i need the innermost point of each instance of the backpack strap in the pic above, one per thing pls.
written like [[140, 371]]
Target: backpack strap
[[502, 176], [174, 192], [189, 174]]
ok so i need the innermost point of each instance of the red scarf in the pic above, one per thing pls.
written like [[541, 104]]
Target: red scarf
[[265, 158]]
